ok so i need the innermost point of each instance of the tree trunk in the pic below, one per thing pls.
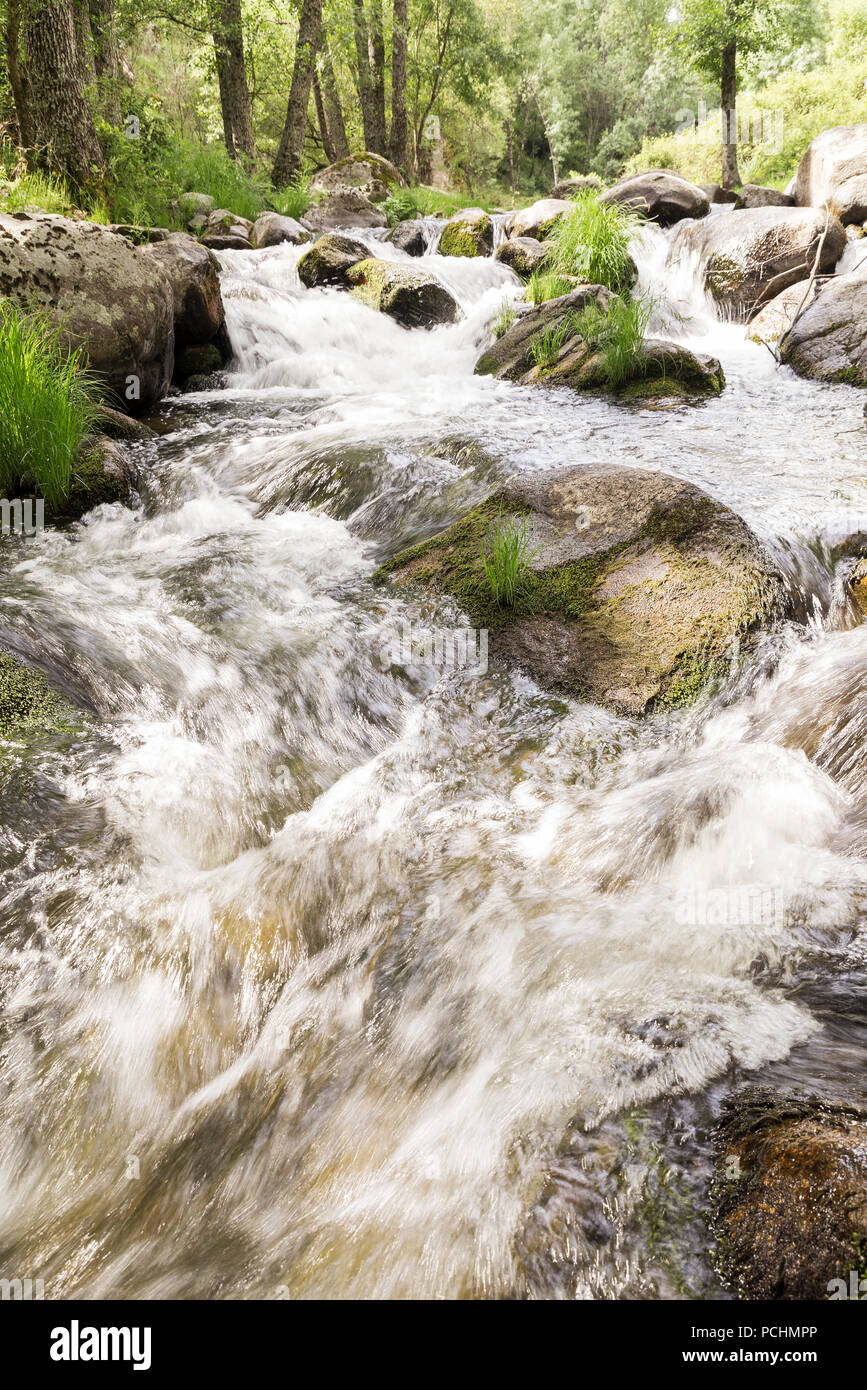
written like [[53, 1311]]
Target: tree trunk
[[235, 104], [377, 76], [730, 174], [64, 136], [18, 76], [81, 30], [363, 74], [511, 149], [106, 58], [287, 165], [331, 99], [322, 119], [397, 145]]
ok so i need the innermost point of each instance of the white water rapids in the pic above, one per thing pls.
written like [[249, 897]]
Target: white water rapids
[[326, 978]]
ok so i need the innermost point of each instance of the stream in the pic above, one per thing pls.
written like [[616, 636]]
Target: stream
[[324, 976]]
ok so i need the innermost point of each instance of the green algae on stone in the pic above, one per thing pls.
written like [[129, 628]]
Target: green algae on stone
[[408, 294], [469, 233], [27, 702]]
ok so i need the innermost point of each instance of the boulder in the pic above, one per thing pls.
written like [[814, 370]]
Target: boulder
[[469, 233], [570, 188], [660, 368], [407, 294], [193, 205], [636, 587], [410, 236], [201, 360], [272, 229], [346, 209], [775, 318], [139, 236], [716, 194], [364, 172], [753, 195], [833, 169], [217, 241], [829, 341], [105, 295], [538, 219], [789, 1197], [198, 303], [660, 195], [329, 260], [751, 254], [104, 472], [228, 223], [523, 254]]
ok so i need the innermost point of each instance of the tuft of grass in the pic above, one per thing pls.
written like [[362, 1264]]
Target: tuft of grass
[[38, 190], [505, 318], [545, 347], [48, 404], [506, 559], [547, 284], [291, 201], [592, 242], [618, 335]]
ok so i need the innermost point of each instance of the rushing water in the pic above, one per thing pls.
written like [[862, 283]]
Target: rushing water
[[326, 975]]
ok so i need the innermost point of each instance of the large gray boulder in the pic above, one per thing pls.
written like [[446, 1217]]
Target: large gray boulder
[[343, 209], [272, 229], [329, 260], [470, 232], [104, 294], [538, 219], [659, 195], [829, 340], [198, 303], [751, 254], [407, 294], [523, 254], [366, 173], [833, 169], [753, 195], [638, 585]]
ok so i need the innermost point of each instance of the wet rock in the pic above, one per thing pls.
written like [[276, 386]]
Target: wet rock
[[829, 341], [346, 209], [751, 254], [775, 318], [407, 294], [410, 236], [538, 219], [789, 1200], [366, 173], [329, 260], [113, 424], [199, 360], [469, 233], [104, 472], [104, 294], [858, 584], [716, 194], [637, 584], [195, 282], [523, 254], [659, 195], [272, 229], [753, 195], [833, 168], [659, 369], [570, 188], [28, 705]]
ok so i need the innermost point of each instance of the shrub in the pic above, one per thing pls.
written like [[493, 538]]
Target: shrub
[[592, 242], [48, 403], [506, 559]]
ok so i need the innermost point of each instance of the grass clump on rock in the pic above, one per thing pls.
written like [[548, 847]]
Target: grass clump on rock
[[592, 243], [617, 333], [547, 284], [506, 559]]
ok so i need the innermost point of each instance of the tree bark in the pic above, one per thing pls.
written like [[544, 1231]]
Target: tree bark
[[729, 90], [363, 74], [377, 76], [287, 165], [18, 76], [397, 144], [63, 136], [106, 58], [331, 99], [235, 104], [322, 119]]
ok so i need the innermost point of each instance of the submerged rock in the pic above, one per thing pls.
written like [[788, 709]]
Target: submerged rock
[[829, 341], [789, 1200], [28, 705], [637, 587], [104, 294], [538, 219], [833, 169], [659, 195], [329, 260], [523, 254], [469, 233], [406, 293], [751, 254]]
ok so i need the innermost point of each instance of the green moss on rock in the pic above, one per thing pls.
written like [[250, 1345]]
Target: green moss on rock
[[27, 703]]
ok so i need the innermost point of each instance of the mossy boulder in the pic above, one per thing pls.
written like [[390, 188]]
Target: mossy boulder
[[523, 254], [469, 233], [539, 218], [329, 261], [104, 473], [658, 368], [750, 254], [407, 294], [789, 1197], [364, 172], [637, 585], [27, 703]]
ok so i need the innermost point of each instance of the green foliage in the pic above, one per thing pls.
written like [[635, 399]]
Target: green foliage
[[547, 284], [617, 334], [399, 206], [545, 347], [592, 242], [704, 28], [48, 404], [506, 559], [506, 316], [291, 201], [37, 190]]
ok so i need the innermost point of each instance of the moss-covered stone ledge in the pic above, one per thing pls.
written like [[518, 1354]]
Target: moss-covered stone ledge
[[638, 584]]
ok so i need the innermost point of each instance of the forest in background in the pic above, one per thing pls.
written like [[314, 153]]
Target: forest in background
[[118, 107]]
